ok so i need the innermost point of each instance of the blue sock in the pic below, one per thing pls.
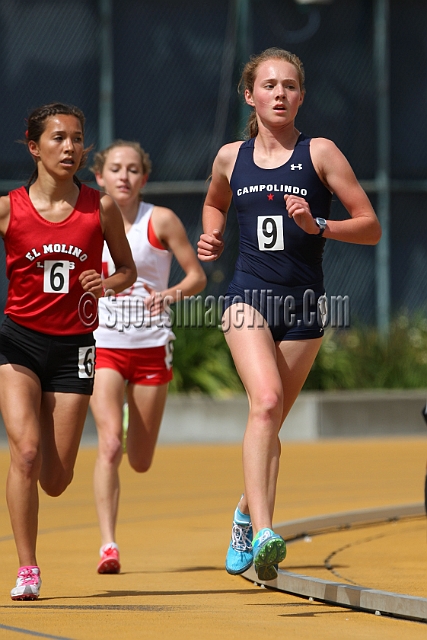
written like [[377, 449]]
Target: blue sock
[[241, 518]]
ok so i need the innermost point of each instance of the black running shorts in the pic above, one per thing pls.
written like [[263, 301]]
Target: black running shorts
[[292, 313], [65, 364]]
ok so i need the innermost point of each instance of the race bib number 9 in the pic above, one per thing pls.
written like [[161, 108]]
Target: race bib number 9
[[86, 362], [270, 233], [56, 276]]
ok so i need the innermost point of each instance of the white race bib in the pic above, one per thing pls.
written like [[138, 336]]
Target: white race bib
[[56, 276], [270, 233]]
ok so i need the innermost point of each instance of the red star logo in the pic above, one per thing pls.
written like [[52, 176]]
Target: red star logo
[[270, 196]]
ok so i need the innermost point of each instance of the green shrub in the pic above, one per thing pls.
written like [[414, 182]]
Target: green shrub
[[359, 358], [354, 358], [202, 361]]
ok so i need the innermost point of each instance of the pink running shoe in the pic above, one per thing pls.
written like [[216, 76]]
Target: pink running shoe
[[28, 584], [110, 558]]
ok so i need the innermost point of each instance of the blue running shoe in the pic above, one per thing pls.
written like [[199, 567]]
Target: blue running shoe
[[240, 555], [269, 549]]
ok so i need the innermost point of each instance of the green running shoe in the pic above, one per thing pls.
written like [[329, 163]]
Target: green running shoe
[[269, 550]]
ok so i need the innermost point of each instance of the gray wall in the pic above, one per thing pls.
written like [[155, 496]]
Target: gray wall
[[314, 416]]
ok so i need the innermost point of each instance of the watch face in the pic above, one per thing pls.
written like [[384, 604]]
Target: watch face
[[321, 222]]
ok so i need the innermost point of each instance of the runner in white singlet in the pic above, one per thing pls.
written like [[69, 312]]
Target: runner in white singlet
[[134, 338]]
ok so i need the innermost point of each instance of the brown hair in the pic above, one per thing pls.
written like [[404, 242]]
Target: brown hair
[[101, 156], [36, 124], [249, 73]]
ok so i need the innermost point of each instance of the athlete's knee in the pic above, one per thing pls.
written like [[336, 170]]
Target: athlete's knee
[[267, 405], [110, 450], [54, 484], [141, 464], [26, 459]]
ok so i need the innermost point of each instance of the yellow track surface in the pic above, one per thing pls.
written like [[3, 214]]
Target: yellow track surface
[[174, 531]]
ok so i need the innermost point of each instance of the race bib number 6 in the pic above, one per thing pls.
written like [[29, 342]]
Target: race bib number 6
[[86, 362], [56, 276], [270, 233]]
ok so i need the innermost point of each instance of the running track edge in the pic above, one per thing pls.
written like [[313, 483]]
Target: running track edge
[[345, 595]]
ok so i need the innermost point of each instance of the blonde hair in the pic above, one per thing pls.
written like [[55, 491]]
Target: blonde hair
[[101, 156], [249, 73]]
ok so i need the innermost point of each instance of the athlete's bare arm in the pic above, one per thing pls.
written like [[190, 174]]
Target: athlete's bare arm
[[170, 231], [4, 214], [335, 171], [217, 203], [118, 245]]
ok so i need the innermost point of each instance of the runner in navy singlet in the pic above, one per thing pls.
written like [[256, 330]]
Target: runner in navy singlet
[[281, 183], [278, 261]]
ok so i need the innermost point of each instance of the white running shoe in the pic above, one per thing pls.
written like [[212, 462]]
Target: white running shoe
[[28, 584]]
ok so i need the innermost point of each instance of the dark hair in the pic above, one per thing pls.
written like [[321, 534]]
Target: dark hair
[[247, 80], [101, 156], [36, 125]]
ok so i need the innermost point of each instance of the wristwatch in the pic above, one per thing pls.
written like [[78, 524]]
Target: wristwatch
[[321, 223]]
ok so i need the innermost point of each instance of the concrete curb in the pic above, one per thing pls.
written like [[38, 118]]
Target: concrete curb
[[314, 416], [355, 597]]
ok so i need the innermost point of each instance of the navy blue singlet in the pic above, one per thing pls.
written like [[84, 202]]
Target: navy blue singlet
[[275, 254]]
